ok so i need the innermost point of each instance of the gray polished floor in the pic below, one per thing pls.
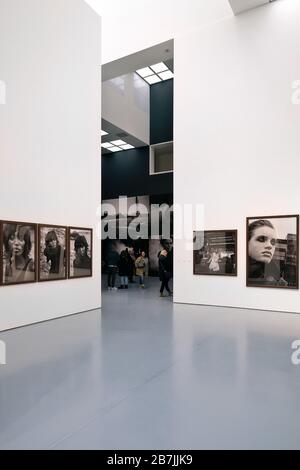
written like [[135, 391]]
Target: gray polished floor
[[145, 374]]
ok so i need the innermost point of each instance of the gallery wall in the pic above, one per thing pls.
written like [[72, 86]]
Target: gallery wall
[[242, 157], [49, 140]]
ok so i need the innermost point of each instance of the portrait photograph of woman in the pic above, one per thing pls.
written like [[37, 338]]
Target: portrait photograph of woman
[[80, 249], [19, 252], [273, 251], [52, 253]]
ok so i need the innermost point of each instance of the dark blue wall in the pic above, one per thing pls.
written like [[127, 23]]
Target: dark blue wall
[[161, 112], [127, 173]]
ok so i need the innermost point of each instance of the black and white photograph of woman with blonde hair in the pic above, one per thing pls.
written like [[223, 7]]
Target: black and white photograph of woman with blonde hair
[[19, 253], [80, 249], [52, 253], [272, 251]]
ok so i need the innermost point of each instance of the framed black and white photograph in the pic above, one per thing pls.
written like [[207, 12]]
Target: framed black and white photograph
[[215, 252], [273, 251], [81, 252], [52, 255], [18, 253]]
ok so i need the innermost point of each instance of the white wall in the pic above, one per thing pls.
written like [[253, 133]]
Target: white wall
[[244, 157], [126, 104], [131, 26], [50, 139]]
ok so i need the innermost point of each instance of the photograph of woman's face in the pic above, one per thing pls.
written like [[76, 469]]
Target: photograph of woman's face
[[262, 244], [18, 253], [272, 251], [16, 241]]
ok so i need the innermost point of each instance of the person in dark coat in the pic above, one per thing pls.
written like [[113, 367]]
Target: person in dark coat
[[164, 273], [124, 268], [112, 260]]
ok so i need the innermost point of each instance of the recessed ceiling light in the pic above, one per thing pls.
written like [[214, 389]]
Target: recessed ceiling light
[[127, 147], [115, 149], [103, 133], [145, 72], [152, 79], [166, 75], [161, 67], [118, 142], [106, 145]]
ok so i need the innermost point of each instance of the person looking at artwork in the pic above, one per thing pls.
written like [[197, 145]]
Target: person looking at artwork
[[18, 264], [124, 265], [140, 265], [164, 274], [55, 254], [82, 263], [112, 261], [262, 268]]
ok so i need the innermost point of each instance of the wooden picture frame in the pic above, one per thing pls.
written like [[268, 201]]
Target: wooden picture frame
[[217, 254], [80, 265], [272, 247], [28, 273], [56, 260]]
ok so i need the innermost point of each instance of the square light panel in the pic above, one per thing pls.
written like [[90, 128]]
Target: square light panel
[[118, 142], [115, 149], [161, 67], [152, 79], [145, 72], [106, 145], [127, 147], [166, 75]]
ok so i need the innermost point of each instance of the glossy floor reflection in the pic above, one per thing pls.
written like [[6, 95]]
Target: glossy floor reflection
[[144, 374]]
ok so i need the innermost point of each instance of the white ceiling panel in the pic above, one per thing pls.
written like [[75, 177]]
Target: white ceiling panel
[[239, 6]]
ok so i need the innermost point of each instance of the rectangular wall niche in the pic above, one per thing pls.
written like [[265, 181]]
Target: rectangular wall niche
[[161, 158]]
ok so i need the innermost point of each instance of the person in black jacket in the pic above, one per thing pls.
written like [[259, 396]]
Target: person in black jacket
[[112, 261], [164, 273], [124, 268]]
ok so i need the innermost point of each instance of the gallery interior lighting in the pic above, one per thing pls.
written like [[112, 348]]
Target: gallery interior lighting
[[117, 146], [166, 75], [127, 147], [152, 79], [103, 133], [118, 142], [161, 67], [155, 73], [145, 72]]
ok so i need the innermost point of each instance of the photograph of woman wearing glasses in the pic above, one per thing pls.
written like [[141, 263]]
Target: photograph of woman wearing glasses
[[272, 252], [18, 253]]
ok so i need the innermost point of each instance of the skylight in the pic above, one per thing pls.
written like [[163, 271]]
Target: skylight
[[155, 73], [117, 146]]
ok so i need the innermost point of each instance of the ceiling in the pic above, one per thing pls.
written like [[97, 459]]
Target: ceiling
[[160, 53], [115, 133], [135, 25], [238, 6]]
